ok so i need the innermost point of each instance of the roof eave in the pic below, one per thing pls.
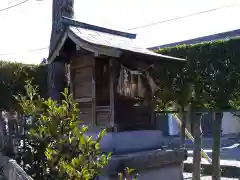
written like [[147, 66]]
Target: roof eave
[[158, 58], [58, 47], [71, 22], [99, 49], [111, 51], [171, 57]]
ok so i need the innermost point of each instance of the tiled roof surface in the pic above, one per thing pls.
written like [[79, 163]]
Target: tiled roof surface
[[109, 38], [112, 41]]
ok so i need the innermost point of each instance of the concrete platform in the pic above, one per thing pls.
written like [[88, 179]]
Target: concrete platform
[[149, 164]]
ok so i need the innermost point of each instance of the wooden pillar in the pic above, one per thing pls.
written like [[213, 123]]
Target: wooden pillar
[[59, 8], [197, 144], [217, 124], [94, 114], [56, 78], [112, 90]]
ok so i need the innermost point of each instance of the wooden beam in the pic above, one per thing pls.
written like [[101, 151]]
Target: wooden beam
[[83, 100], [71, 79]]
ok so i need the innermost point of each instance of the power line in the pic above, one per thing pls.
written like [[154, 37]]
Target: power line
[[12, 6], [152, 24], [39, 49], [31, 50], [182, 17], [15, 5], [12, 2]]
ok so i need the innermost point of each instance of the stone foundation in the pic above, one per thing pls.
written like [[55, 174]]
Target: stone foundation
[[173, 172], [150, 165], [142, 151]]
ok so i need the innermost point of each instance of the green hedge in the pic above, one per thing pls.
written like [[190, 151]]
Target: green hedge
[[12, 80], [214, 69]]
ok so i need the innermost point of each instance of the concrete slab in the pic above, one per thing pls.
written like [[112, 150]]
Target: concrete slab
[[229, 168], [222, 162], [203, 177]]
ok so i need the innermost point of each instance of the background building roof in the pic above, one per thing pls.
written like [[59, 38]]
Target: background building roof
[[214, 37]]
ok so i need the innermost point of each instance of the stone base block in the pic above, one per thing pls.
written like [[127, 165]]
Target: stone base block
[[173, 172], [150, 165]]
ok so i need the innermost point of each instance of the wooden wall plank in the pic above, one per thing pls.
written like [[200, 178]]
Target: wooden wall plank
[[103, 119], [83, 90], [82, 67], [82, 73], [86, 115], [83, 60], [103, 116]]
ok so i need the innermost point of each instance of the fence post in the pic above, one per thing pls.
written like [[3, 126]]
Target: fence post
[[183, 126], [197, 143], [217, 127], [2, 131]]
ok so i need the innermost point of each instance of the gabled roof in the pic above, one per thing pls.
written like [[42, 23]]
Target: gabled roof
[[102, 40]]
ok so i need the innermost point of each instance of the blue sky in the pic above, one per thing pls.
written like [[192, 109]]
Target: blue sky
[[28, 26]]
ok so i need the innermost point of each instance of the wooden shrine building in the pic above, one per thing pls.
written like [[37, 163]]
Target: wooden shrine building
[[107, 75]]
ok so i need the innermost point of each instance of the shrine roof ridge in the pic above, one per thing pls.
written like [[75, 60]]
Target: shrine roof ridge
[[72, 22]]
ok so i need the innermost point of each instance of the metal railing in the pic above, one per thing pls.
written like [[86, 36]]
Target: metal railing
[[11, 170]]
